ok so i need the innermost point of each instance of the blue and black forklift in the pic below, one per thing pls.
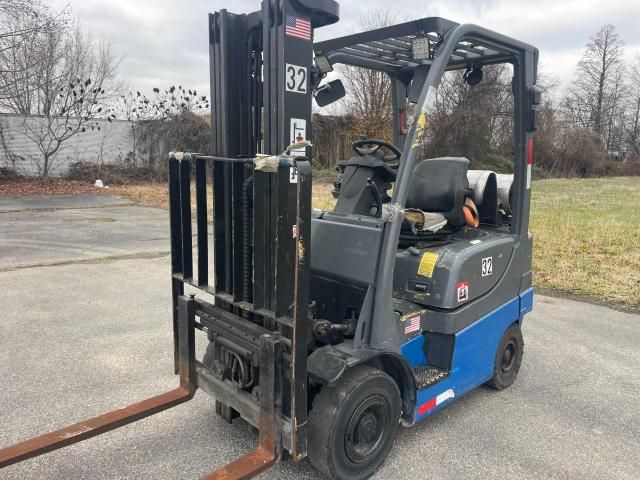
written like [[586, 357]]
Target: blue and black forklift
[[327, 330]]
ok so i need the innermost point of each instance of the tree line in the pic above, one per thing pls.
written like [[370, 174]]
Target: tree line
[[590, 128], [594, 127], [52, 71]]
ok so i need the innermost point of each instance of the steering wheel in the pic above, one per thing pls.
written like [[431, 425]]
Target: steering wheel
[[375, 144]]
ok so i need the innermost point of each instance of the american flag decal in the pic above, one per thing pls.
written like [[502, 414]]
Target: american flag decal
[[412, 325], [298, 27]]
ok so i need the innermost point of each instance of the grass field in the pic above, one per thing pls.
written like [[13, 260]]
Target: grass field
[[587, 237], [586, 231]]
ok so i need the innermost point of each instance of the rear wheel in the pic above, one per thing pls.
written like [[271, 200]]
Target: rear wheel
[[508, 358], [353, 424]]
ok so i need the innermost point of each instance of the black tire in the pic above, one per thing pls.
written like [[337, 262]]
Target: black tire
[[508, 358], [353, 424]]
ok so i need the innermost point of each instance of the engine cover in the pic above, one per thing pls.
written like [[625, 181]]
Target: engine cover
[[450, 275]]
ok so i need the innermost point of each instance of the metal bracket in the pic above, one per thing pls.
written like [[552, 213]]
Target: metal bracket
[[266, 454]]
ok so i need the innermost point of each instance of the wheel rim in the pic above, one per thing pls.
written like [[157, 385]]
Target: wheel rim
[[366, 428], [509, 356]]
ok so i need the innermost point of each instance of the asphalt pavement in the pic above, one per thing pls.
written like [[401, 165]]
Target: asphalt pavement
[[85, 328]]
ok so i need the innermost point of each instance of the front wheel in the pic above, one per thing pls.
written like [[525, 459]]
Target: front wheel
[[508, 358], [353, 424]]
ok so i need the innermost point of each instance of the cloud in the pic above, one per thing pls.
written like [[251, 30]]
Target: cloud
[[166, 41]]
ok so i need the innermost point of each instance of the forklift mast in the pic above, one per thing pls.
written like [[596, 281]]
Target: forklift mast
[[261, 92]]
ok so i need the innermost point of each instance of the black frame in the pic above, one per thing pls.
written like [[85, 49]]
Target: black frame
[[239, 324], [261, 272]]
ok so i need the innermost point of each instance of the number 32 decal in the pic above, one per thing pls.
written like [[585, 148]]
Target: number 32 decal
[[487, 266], [295, 78]]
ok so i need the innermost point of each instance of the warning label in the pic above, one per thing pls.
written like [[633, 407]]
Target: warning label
[[463, 291], [293, 174], [427, 264], [298, 133]]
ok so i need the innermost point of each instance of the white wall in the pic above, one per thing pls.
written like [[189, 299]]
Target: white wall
[[113, 142]]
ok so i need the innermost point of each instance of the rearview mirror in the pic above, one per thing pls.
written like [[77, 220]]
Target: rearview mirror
[[329, 93]]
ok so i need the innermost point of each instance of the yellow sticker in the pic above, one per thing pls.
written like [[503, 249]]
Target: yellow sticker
[[421, 127], [427, 264]]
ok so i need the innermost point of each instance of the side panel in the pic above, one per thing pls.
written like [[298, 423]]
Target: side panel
[[346, 252], [473, 358]]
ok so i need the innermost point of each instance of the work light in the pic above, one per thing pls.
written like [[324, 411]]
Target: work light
[[420, 48], [323, 64]]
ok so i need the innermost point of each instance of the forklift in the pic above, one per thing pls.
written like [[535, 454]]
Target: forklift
[[327, 330]]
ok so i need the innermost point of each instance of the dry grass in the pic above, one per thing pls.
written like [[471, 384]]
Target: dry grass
[[157, 195], [587, 237], [21, 186], [321, 196], [150, 194]]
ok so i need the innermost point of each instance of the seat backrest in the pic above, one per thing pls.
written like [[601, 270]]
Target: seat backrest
[[440, 185]]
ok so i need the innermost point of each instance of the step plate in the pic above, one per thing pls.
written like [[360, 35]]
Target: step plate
[[426, 376]]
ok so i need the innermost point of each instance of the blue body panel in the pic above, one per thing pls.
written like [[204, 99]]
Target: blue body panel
[[413, 351], [473, 355]]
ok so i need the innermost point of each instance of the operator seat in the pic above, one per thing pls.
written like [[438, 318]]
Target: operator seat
[[440, 185]]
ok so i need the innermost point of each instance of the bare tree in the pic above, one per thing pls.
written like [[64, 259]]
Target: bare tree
[[22, 22], [68, 76], [137, 106], [369, 92], [171, 116], [615, 115], [11, 9], [593, 96], [472, 121], [632, 127]]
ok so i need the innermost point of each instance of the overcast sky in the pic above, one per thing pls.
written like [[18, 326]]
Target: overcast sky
[[165, 41]]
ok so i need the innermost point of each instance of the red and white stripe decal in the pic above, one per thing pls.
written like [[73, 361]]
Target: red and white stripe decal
[[529, 161], [435, 401]]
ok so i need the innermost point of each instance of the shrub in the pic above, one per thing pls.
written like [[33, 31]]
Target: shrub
[[492, 161], [7, 174], [184, 132]]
